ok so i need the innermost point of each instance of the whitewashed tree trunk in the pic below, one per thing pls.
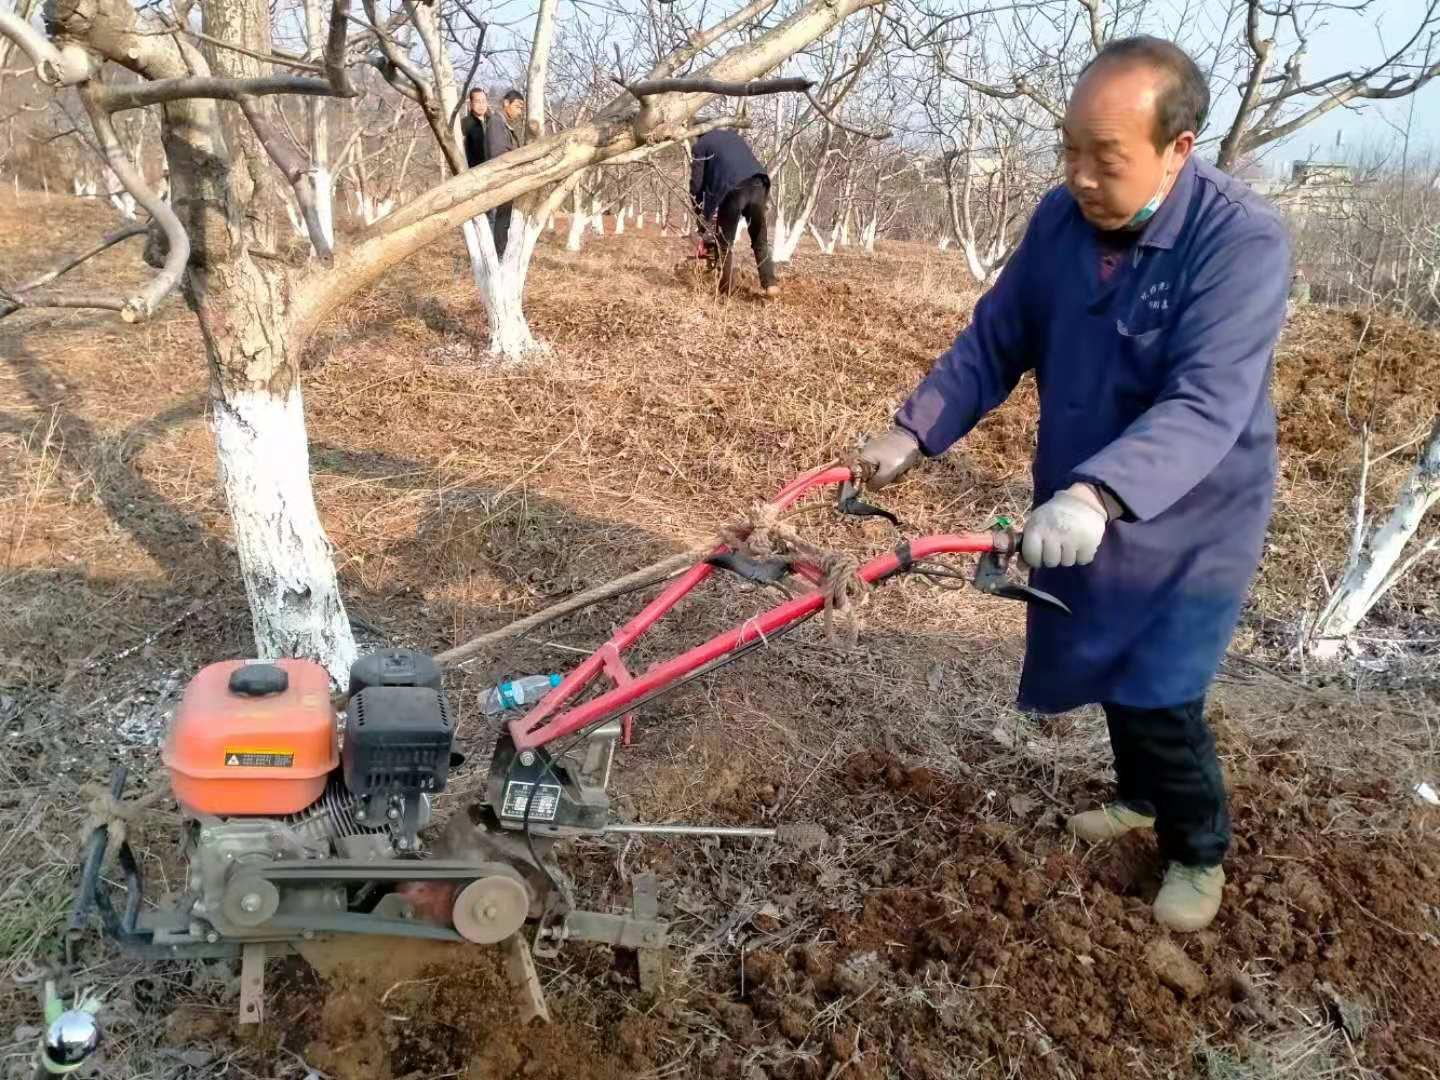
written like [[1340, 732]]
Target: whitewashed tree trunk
[[787, 239], [1375, 564], [319, 134], [121, 199], [620, 221], [981, 269], [286, 558], [597, 216], [502, 285], [867, 236], [827, 247], [573, 236], [944, 243], [297, 223], [501, 281]]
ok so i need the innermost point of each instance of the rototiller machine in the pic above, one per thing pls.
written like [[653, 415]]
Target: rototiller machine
[[300, 823]]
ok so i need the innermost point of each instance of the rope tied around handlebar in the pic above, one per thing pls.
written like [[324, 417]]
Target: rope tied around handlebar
[[116, 815], [763, 533]]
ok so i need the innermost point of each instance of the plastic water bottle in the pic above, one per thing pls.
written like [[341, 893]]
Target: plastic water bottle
[[517, 692]]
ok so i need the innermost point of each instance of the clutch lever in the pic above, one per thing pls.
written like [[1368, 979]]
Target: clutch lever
[[992, 576], [848, 502]]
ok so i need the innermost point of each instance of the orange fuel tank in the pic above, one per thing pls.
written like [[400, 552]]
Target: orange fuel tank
[[252, 738]]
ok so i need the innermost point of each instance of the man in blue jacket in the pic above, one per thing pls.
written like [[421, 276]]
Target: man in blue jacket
[[727, 185], [1146, 296]]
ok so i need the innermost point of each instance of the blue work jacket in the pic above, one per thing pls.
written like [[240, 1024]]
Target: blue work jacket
[[1155, 384]]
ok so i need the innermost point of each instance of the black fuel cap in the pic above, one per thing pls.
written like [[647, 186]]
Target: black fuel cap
[[257, 680]]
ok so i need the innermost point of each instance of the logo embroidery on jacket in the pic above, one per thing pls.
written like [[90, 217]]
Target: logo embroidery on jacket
[[1157, 296]]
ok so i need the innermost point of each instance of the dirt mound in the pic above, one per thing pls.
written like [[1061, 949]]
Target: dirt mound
[[1336, 371], [994, 941], [420, 1010]]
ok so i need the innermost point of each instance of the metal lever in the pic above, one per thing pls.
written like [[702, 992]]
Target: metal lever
[[801, 834], [991, 577], [849, 502]]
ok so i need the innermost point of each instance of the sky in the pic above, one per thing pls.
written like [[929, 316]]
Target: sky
[[1348, 40]]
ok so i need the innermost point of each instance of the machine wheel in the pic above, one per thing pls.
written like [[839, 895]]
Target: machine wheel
[[493, 907]]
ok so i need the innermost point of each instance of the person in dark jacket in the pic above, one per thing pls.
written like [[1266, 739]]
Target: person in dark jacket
[[502, 134], [1147, 296], [472, 128], [727, 185]]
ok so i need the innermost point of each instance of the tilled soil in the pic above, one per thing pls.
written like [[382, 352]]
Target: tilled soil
[[982, 934]]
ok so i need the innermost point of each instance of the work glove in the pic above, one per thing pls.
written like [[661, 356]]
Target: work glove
[[886, 458], [1067, 530]]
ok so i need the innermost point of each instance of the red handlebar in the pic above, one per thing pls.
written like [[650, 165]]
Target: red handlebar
[[536, 727]]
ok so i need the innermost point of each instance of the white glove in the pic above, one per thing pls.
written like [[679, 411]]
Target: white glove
[[888, 457], [1067, 530]]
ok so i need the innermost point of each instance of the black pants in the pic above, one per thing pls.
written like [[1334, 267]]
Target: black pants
[[500, 226], [1166, 765], [748, 202]]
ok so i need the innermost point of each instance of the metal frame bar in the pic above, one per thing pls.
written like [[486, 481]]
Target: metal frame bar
[[547, 721]]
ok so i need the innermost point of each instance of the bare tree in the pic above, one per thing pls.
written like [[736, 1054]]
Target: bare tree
[[257, 309], [1378, 560], [1278, 99]]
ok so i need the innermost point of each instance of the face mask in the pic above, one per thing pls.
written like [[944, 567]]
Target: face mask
[[1146, 212]]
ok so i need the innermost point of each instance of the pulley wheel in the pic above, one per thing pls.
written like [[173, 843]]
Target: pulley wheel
[[491, 908], [250, 901]]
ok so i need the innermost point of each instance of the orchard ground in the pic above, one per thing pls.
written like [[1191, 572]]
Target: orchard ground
[[948, 927]]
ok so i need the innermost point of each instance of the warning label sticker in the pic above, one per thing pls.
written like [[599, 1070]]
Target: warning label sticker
[[265, 759], [542, 806]]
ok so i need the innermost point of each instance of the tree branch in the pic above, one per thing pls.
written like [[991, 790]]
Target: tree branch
[[119, 99], [703, 39], [13, 299], [295, 170], [1390, 91], [142, 304], [753, 88], [55, 67], [268, 58], [442, 84], [641, 153], [819, 108], [474, 65], [539, 69], [1260, 49], [394, 63], [336, 73], [1097, 38]]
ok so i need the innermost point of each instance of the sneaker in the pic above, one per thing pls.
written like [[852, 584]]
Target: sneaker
[[1190, 897], [1108, 823]]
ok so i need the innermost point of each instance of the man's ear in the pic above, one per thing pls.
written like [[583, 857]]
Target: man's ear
[[1184, 147]]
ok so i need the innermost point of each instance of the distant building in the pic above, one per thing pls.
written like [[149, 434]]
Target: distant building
[[1321, 173], [1323, 189]]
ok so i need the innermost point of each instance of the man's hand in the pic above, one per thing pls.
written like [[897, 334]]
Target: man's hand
[[886, 458], [1067, 530]]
